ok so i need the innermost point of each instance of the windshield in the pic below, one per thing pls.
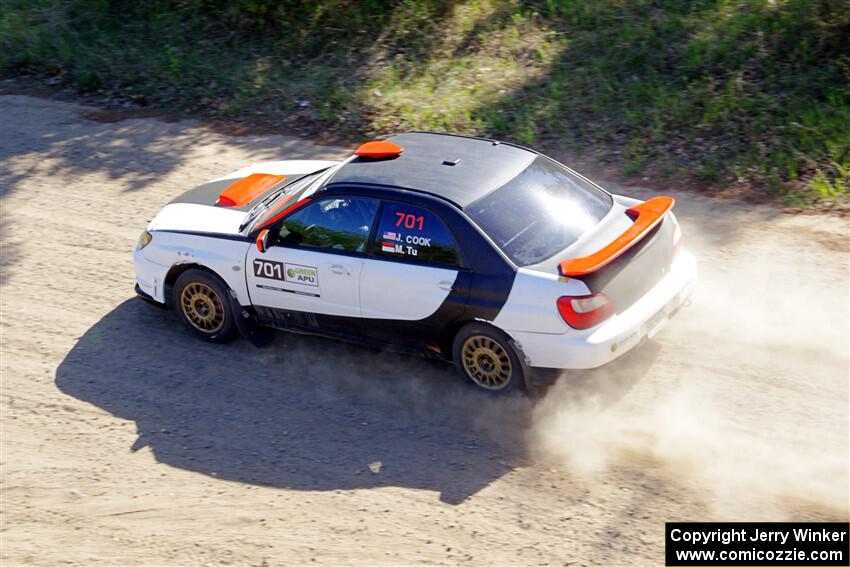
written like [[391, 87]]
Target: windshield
[[540, 212], [285, 196]]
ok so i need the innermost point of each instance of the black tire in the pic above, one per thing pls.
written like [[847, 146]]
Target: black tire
[[486, 358], [202, 302]]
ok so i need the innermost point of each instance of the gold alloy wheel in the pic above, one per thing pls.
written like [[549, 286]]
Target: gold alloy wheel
[[486, 362], [202, 307]]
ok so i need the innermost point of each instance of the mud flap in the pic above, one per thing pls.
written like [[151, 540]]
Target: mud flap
[[531, 386], [254, 333]]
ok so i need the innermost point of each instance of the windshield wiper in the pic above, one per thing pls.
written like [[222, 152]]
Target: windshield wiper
[[262, 206], [267, 202]]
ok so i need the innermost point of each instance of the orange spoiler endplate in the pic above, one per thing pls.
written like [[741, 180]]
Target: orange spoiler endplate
[[646, 216]]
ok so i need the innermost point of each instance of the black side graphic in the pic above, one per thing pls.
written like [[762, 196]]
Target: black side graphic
[[483, 283]]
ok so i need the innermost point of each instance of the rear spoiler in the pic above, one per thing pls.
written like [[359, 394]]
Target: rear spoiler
[[646, 216]]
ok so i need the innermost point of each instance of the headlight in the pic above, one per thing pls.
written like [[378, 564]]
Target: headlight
[[144, 239]]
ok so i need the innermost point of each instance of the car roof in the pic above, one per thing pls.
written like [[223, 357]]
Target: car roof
[[459, 169]]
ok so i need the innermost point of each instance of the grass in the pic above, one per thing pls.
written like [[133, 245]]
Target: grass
[[748, 91]]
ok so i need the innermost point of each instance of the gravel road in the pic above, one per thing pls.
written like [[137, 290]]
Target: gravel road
[[126, 441]]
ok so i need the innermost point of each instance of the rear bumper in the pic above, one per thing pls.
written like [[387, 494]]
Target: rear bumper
[[619, 334]]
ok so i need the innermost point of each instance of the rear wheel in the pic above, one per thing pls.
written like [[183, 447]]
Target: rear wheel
[[202, 304], [484, 355]]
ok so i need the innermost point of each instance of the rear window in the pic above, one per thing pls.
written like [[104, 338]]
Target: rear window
[[539, 212]]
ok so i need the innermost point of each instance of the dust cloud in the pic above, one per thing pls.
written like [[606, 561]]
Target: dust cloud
[[684, 439], [745, 404]]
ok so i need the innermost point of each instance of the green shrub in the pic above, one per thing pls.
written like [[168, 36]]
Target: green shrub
[[721, 89]]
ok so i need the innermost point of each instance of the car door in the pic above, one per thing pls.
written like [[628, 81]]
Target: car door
[[309, 276], [411, 285]]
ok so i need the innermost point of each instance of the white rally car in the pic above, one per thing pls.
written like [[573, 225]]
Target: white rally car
[[483, 253]]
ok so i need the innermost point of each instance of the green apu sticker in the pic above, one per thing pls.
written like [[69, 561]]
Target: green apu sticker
[[305, 275]]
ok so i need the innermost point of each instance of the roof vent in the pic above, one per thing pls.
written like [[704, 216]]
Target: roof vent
[[451, 161], [379, 150]]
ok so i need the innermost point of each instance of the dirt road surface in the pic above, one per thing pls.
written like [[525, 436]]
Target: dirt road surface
[[126, 441]]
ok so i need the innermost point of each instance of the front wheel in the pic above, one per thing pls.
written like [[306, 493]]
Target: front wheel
[[202, 304], [484, 355]]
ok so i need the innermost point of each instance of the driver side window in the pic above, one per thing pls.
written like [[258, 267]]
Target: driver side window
[[336, 224]]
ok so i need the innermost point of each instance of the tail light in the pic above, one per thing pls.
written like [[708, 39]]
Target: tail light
[[585, 311], [677, 239]]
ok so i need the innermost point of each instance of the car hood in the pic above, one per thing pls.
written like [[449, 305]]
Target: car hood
[[197, 210]]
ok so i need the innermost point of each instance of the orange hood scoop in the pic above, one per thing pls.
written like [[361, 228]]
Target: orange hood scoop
[[247, 189]]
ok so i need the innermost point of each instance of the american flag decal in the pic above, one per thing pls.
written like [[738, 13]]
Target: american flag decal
[[390, 236]]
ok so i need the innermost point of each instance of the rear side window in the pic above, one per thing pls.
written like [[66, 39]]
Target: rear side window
[[412, 233], [540, 212]]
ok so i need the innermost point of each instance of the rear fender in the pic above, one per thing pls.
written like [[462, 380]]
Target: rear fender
[[532, 303]]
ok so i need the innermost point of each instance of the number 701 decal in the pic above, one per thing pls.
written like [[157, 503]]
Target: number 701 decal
[[292, 273], [410, 220], [268, 269]]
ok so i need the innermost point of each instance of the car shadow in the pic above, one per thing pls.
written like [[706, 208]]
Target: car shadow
[[305, 413]]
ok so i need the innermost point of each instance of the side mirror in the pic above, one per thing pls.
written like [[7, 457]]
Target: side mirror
[[263, 241]]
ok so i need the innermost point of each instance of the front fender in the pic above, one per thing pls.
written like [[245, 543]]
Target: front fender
[[224, 256]]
